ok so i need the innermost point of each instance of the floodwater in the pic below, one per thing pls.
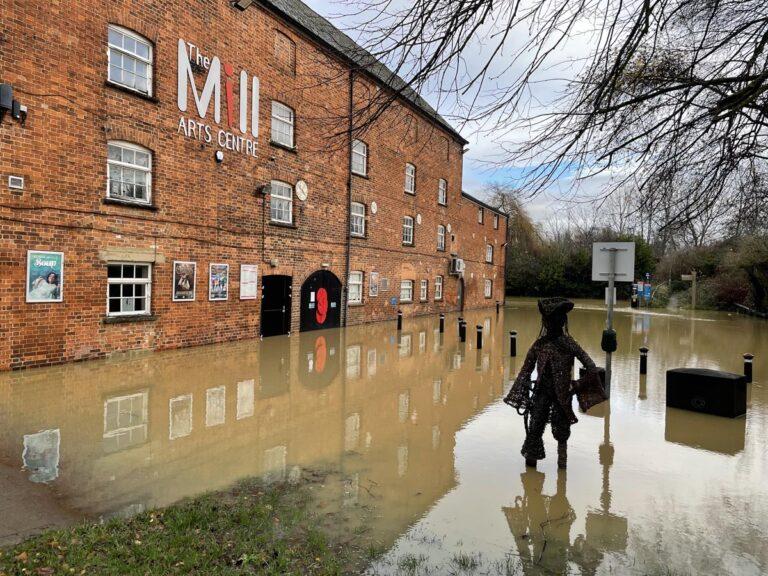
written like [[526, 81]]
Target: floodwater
[[426, 454]]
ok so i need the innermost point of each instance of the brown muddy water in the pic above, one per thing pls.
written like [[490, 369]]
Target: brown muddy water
[[424, 453]]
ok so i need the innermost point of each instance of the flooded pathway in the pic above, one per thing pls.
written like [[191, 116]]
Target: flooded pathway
[[425, 453]]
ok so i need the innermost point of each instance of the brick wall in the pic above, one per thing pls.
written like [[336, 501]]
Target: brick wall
[[55, 56]]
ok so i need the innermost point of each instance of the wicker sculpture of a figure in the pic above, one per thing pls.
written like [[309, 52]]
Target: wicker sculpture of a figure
[[552, 355]]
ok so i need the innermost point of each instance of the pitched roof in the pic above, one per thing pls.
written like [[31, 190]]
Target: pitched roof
[[321, 29], [479, 202]]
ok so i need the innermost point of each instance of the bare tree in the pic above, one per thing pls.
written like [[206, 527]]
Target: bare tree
[[667, 86]]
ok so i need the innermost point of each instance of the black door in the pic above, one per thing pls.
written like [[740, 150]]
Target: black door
[[276, 305], [320, 301]]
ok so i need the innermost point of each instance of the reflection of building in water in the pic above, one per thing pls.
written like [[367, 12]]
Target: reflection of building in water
[[125, 421], [704, 431], [41, 455], [145, 431]]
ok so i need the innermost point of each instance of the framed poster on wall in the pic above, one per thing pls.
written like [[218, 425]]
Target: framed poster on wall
[[184, 281], [249, 281], [218, 281], [45, 276]]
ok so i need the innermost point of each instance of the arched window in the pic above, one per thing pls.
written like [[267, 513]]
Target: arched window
[[285, 53], [129, 172], [130, 60]]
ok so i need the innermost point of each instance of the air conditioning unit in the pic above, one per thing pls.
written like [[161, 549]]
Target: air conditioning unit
[[457, 266]]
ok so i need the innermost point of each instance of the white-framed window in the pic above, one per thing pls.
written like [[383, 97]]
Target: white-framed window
[[488, 287], [281, 202], [357, 219], [129, 288], [355, 288], [406, 291], [410, 179], [360, 158], [373, 284], [408, 230], [495, 221], [283, 120], [441, 237], [424, 289], [442, 192], [438, 288], [489, 252], [480, 215], [130, 60], [129, 172]]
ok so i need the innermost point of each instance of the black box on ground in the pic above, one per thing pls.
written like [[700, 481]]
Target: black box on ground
[[707, 391]]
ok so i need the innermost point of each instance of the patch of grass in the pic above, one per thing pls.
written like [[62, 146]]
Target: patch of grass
[[464, 562], [249, 529], [410, 563]]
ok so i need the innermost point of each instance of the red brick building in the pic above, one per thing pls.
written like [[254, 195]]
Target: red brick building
[[189, 172]]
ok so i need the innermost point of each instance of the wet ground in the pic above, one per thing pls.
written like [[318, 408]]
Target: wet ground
[[423, 453]]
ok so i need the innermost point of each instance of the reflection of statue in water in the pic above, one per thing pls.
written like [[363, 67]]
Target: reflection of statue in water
[[552, 354], [542, 524]]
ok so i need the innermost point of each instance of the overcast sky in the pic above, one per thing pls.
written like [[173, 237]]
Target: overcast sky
[[485, 147]]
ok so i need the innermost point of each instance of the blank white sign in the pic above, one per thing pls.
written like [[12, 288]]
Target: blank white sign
[[625, 261]]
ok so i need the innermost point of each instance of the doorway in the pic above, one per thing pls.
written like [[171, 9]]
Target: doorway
[[320, 301], [276, 305]]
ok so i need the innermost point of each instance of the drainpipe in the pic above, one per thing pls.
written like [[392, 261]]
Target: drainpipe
[[350, 114]]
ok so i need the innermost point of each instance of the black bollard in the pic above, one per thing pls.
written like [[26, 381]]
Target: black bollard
[[479, 336], [512, 343], [442, 323], [399, 320], [748, 358], [462, 331], [643, 360], [497, 307], [460, 320]]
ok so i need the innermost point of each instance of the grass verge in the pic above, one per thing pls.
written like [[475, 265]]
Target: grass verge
[[249, 529]]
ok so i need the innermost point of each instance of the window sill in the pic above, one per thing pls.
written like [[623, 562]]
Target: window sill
[[405, 302], [408, 245], [132, 92], [443, 204], [359, 236], [129, 204], [360, 175], [441, 250], [128, 319], [283, 225], [409, 193], [285, 147], [355, 304]]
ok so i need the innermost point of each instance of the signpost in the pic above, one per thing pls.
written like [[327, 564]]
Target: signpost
[[614, 262], [692, 279]]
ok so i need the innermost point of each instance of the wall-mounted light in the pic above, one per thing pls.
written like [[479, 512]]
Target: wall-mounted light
[[219, 155]]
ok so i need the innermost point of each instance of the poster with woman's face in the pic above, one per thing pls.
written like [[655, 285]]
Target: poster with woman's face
[[218, 282], [184, 281], [45, 276]]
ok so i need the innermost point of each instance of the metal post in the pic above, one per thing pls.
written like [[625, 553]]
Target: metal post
[[399, 320], [643, 360], [442, 323], [748, 359], [479, 336], [693, 290], [611, 287], [512, 343]]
